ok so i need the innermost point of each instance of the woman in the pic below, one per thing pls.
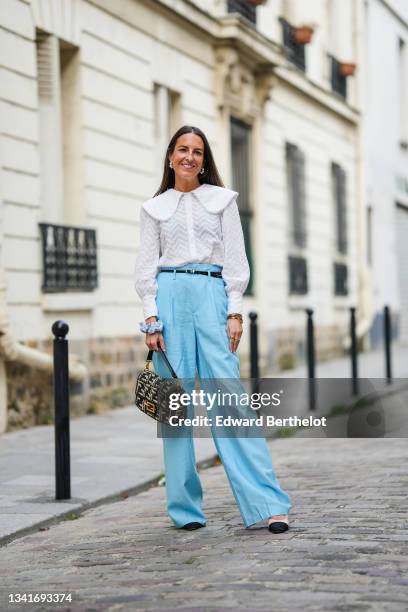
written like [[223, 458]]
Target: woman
[[191, 273]]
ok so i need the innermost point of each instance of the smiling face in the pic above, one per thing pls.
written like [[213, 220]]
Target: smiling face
[[188, 157]]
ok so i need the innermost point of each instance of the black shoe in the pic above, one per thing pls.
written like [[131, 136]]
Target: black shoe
[[278, 527], [192, 526]]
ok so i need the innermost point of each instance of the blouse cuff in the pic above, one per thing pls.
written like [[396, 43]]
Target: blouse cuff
[[234, 302], [149, 306]]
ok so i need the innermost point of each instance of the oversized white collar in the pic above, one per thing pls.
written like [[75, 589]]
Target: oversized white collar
[[212, 197]]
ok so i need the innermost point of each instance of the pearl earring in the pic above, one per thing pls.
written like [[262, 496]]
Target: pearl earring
[[171, 164], [202, 171]]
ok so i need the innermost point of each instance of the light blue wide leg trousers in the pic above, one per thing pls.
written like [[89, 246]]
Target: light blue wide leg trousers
[[193, 308]]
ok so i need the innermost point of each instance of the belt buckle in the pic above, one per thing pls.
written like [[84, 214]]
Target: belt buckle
[[191, 270]]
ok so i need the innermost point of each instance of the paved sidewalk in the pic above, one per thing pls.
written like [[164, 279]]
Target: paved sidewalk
[[371, 364], [110, 454], [119, 452], [345, 550]]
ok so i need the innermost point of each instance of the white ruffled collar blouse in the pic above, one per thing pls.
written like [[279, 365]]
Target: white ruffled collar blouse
[[198, 226]]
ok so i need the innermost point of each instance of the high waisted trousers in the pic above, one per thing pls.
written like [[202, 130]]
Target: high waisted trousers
[[193, 308]]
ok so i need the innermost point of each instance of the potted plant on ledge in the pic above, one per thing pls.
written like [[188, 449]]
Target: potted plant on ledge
[[347, 69], [303, 34]]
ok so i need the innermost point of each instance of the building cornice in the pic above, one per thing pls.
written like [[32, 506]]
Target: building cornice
[[186, 11], [253, 50], [253, 46], [395, 13], [267, 57], [291, 76], [262, 55]]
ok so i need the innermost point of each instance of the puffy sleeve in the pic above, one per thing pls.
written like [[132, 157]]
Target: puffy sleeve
[[235, 269], [147, 262]]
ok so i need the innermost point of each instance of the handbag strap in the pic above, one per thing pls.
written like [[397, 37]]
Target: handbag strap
[[150, 355]]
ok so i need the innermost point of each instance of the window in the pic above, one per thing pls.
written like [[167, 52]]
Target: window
[[340, 279], [167, 115], [60, 129], [338, 178], [244, 8], [241, 182], [338, 81], [69, 252], [340, 28], [297, 275], [293, 50], [295, 175], [369, 235], [50, 127], [403, 93], [71, 130], [339, 199], [69, 258]]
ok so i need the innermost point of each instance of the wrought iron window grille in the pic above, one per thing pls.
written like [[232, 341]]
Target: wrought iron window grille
[[340, 279], [293, 50], [297, 275], [69, 258], [338, 81], [245, 9]]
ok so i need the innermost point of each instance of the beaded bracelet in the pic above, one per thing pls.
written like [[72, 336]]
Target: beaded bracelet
[[151, 328]]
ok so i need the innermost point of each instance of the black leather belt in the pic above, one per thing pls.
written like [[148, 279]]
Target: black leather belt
[[192, 271]]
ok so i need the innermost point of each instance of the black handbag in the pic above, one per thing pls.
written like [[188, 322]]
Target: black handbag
[[152, 393]]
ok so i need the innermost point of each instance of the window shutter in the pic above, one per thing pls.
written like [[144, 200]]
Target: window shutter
[[300, 219], [45, 66], [240, 141], [339, 177], [342, 212], [241, 182], [297, 193]]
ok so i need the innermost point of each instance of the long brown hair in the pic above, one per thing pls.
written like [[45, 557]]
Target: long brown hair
[[210, 175]]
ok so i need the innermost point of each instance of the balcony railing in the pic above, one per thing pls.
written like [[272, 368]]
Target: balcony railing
[[340, 279], [338, 81], [294, 51], [243, 8], [297, 275], [69, 258]]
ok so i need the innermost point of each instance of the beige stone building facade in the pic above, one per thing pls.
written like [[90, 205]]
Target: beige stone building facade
[[90, 92]]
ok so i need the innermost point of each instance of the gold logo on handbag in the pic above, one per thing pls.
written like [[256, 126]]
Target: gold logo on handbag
[[152, 393], [149, 407]]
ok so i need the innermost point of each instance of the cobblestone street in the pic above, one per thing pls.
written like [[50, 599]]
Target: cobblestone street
[[346, 548]]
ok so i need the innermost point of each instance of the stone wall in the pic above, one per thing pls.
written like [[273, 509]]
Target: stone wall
[[29, 396], [287, 347], [113, 365]]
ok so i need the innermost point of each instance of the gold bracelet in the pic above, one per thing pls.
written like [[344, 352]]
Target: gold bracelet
[[236, 316]]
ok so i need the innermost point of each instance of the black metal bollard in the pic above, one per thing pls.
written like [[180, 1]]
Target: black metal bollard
[[387, 344], [254, 345], [254, 357], [353, 352], [311, 359], [61, 398]]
